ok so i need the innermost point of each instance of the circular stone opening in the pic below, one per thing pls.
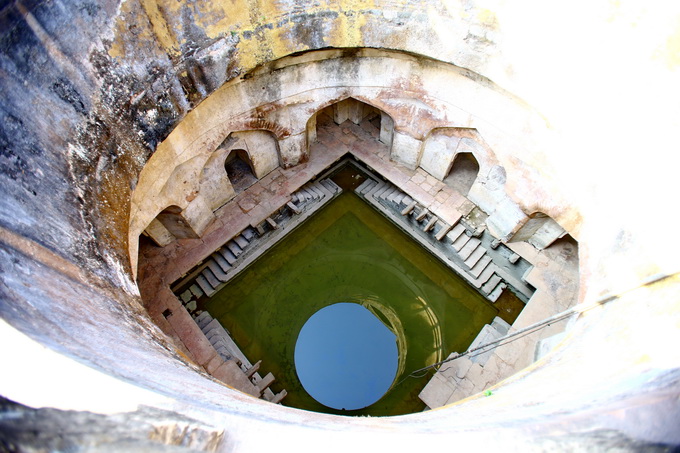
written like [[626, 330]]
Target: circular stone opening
[[345, 357]]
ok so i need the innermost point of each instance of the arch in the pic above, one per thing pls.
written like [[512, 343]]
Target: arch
[[374, 120], [463, 173], [239, 169], [174, 221], [252, 154]]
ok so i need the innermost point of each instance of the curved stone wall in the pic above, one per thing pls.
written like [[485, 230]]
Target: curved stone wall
[[96, 95], [407, 88]]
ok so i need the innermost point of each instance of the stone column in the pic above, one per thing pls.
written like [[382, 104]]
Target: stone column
[[406, 150], [159, 234]]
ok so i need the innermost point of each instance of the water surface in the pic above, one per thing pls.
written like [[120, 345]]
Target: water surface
[[349, 253], [345, 357]]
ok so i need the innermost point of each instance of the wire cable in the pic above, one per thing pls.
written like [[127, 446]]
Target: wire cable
[[509, 338]]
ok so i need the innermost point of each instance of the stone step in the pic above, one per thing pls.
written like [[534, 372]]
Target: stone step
[[407, 210], [498, 290], [455, 232], [203, 319], [315, 191], [500, 325], [471, 245], [253, 369], [443, 231], [365, 186], [260, 228], [331, 185], [219, 259], [218, 342], [226, 355], [491, 284], [279, 397], [305, 194], [372, 185], [406, 200], [325, 192], [421, 215], [459, 243], [430, 224], [486, 335], [214, 282], [228, 255], [248, 233], [272, 223], [205, 286], [241, 241], [485, 275], [396, 197], [386, 195], [217, 271], [234, 248], [478, 268], [476, 258], [265, 382], [382, 187], [215, 331], [294, 209], [196, 290]]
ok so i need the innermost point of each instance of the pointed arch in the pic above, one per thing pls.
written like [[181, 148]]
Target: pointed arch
[[374, 120]]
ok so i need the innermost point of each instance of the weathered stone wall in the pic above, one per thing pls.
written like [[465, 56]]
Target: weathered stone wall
[[92, 90], [407, 88]]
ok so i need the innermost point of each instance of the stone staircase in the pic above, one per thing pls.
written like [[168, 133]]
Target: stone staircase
[[490, 332], [220, 339], [467, 375], [238, 252], [460, 248]]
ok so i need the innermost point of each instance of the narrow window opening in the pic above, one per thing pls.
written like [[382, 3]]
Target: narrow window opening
[[240, 170]]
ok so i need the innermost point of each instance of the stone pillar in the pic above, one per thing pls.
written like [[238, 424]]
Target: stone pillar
[[356, 111], [262, 151], [406, 150], [539, 230], [215, 186], [506, 219], [159, 234], [341, 111], [386, 128], [198, 215], [294, 150], [438, 154], [311, 131]]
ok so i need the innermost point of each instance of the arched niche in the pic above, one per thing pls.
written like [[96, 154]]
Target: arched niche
[[376, 122], [238, 162], [539, 230], [239, 169], [174, 221], [464, 171]]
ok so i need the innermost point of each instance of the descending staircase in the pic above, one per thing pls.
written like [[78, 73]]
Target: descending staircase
[[490, 332], [456, 244], [223, 265], [228, 350]]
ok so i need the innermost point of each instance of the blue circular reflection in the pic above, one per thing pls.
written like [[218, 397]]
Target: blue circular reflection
[[345, 357]]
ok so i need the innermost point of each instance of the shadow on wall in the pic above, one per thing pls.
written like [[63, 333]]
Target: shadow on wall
[[356, 111], [238, 162]]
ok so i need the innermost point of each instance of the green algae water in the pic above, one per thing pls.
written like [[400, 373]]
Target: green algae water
[[349, 253]]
